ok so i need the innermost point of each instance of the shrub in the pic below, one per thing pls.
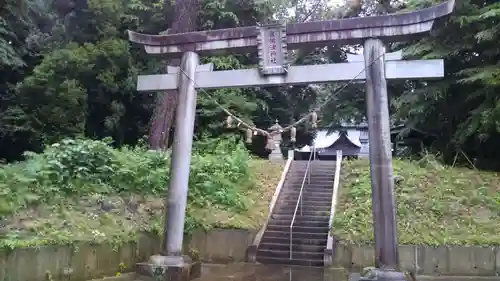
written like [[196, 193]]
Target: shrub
[[79, 167]]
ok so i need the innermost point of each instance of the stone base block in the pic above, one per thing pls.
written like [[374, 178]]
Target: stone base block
[[251, 255], [163, 268], [328, 257], [374, 274]]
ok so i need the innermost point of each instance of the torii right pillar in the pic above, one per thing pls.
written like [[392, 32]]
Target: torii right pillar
[[383, 201]]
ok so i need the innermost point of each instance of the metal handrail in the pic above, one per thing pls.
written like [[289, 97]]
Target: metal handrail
[[336, 183], [307, 175]]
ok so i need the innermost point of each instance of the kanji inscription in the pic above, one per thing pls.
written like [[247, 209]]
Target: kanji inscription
[[272, 49]]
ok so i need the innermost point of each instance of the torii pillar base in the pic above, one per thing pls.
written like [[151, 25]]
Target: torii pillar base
[[378, 274], [166, 268]]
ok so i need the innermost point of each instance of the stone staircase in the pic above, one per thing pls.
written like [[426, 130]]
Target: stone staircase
[[310, 230]]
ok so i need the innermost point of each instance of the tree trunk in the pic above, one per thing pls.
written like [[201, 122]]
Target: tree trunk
[[185, 16], [158, 139]]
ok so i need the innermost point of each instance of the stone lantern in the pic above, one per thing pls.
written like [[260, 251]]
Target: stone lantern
[[364, 139], [275, 142]]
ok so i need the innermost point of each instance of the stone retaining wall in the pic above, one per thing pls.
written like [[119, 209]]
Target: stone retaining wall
[[427, 260], [215, 246], [85, 262]]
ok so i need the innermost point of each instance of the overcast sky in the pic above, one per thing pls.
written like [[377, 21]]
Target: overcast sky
[[332, 3]]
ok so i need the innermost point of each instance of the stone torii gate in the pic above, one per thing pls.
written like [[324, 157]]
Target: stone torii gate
[[272, 42]]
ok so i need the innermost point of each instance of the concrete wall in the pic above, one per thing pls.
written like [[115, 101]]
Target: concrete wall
[[85, 262], [427, 260], [215, 246]]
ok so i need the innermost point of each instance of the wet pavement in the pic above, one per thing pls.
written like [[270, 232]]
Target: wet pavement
[[261, 272]]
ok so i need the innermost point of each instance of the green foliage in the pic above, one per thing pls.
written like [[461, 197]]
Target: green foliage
[[74, 76], [75, 169], [462, 109], [80, 79], [64, 84], [78, 167], [216, 172], [8, 55], [436, 204], [18, 20]]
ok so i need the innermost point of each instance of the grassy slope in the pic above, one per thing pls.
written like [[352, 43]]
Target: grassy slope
[[266, 177], [436, 204], [118, 219]]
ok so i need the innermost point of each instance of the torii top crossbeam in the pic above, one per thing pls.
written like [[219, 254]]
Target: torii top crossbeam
[[392, 27]]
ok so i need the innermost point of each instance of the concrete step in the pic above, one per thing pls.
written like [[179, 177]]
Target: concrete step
[[303, 212], [307, 196], [308, 199], [313, 181], [295, 247], [299, 218], [318, 169], [298, 179], [295, 240], [291, 204], [312, 187], [299, 235], [298, 228], [305, 206], [325, 188], [305, 201], [299, 175], [308, 191], [267, 260], [315, 170], [298, 186], [315, 163], [291, 199], [306, 223], [286, 223], [319, 187], [309, 188], [286, 254]]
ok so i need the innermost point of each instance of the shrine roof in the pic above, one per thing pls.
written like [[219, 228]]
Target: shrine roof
[[325, 139], [351, 30], [403, 131]]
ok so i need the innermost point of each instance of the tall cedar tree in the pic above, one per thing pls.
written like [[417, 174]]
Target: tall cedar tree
[[185, 19]]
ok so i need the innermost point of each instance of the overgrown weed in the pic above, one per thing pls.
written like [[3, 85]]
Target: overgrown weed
[[86, 190], [436, 204]]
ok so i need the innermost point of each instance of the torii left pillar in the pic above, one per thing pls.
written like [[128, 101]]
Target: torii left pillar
[[171, 264]]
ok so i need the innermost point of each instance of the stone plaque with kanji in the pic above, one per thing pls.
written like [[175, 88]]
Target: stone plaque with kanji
[[272, 49]]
